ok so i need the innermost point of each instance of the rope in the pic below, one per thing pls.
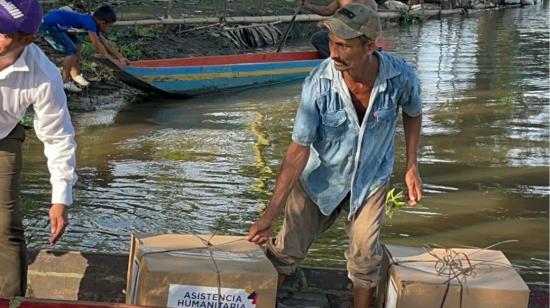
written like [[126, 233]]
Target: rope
[[456, 265], [209, 246]]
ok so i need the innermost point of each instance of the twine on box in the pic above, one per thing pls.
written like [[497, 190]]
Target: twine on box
[[209, 246], [456, 265]]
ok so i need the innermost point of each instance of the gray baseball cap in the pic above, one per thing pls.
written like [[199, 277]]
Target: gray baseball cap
[[354, 20]]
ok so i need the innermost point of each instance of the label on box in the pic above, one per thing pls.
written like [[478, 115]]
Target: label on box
[[210, 297]]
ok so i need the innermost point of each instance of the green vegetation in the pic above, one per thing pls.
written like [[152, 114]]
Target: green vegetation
[[395, 201], [135, 36], [75, 104], [130, 51], [511, 97], [26, 121], [407, 17]]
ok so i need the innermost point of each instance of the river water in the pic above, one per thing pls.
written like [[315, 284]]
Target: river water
[[208, 164]]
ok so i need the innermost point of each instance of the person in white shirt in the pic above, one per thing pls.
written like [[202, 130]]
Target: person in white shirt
[[28, 77]]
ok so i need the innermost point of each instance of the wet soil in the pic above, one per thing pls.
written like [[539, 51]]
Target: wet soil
[[154, 42]]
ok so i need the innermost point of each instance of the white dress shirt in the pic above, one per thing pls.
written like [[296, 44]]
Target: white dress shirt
[[34, 80]]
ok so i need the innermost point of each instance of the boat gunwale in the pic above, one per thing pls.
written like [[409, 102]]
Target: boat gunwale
[[140, 72], [227, 60]]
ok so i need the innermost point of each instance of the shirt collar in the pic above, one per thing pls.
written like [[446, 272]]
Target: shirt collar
[[20, 65], [386, 71]]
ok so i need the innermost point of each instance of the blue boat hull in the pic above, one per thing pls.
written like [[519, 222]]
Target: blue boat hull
[[192, 80]]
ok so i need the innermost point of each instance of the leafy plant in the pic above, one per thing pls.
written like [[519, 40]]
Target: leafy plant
[[407, 17], [395, 201], [87, 49], [130, 51], [26, 121], [145, 32]]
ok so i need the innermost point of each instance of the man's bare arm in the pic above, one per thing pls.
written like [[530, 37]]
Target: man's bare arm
[[293, 164], [323, 10], [412, 127], [96, 43], [112, 50]]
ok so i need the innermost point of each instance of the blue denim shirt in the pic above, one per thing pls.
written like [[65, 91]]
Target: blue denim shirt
[[345, 156]]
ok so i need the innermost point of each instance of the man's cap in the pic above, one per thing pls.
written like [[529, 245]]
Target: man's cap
[[354, 20], [20, 15]]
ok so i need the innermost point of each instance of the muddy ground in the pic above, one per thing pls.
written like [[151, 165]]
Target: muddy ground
[[161, 42], [155, 42], [172, 41]]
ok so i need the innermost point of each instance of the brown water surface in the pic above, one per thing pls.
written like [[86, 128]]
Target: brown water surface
[[208, 164]]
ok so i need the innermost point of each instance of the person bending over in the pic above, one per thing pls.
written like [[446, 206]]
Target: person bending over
[[29, 78], [60, 28], [342, 151]]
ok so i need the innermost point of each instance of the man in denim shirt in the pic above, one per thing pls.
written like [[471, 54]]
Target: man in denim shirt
[[343, 151]]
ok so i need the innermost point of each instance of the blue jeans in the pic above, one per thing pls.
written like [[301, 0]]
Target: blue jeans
[[320, 42], [61, 41]]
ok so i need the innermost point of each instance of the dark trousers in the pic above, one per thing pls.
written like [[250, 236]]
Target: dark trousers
[[13, 250], [319, 40]]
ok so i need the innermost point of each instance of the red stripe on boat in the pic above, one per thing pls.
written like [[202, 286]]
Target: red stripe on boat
[[230, 59], [239, 59]]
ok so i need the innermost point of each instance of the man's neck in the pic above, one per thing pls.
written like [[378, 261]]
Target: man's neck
[[365, 74], [10, 59]]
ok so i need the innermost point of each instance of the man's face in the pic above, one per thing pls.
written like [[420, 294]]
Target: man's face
[[13, 43], [351, 53], [104, 26]]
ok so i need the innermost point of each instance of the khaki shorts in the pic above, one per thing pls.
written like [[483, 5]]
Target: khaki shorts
[[304, 222]]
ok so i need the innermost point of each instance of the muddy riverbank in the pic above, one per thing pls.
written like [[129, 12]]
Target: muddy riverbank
[[183, 40]]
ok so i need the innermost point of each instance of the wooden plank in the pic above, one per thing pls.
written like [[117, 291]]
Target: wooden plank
[[98, 280], [390, 15]]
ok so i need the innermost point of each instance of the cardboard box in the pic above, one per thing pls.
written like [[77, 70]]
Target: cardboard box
[[176, 270], [480, 278]]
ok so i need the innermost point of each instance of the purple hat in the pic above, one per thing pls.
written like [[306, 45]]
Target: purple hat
[[20, 15]]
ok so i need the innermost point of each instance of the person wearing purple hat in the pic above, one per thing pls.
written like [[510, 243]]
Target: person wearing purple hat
[[29, 78], [60, 27], [342, 151]]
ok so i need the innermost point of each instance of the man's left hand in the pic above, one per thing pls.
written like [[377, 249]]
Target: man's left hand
[[414, 185], [59, 219]]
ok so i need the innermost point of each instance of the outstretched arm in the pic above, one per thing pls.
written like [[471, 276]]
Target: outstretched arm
[[113, 51], [52, 123], [412, 126], [293, 164], [98, 46], [104, 49], [323, 10]]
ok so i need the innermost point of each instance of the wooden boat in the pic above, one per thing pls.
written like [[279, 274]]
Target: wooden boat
[[74, 279], [208, 74]]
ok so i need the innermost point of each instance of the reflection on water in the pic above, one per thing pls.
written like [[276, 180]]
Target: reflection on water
[[208, 164]]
